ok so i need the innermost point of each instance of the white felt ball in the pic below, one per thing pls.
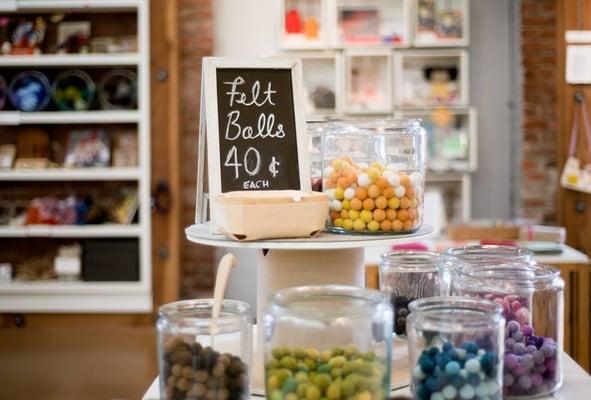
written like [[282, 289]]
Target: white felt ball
[[400, 191], [364, 180], [328, 172], [416, 178], [394, 180], [331, 194], [336, 205], [349, 193]]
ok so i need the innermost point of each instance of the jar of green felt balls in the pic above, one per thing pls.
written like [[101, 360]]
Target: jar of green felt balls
[[456, 348], [328, 342], [204, 358]]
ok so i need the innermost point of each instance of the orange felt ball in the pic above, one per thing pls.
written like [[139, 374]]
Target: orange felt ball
[[344, 214], [356, 204], [329, 183], [382, 202], [388, 192], [404, 180], [402, 215], [386, 225], [334, 215], [343, 182], [391, 214], [397, 226], [407, 226], [374, 191], [382, 183], [369, 204], [404, 202], [379, 215], [334, 176], [351, 178], [412, 213], [410, 192], [361, 193]]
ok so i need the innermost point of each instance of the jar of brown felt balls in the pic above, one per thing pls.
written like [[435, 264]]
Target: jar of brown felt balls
[[374, 175], [204, 358]]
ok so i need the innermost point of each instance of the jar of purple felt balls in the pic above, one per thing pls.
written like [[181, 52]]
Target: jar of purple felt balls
[[406, 276], [532, 300], [456, 348]]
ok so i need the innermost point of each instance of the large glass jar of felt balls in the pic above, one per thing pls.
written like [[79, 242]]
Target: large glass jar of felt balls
[[373, 173], [532, 300], [478, 255], [456, 348], [200, 357], [328, 342], [406, 276]]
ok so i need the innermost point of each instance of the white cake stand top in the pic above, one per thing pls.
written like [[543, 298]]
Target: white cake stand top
[[201, 233]]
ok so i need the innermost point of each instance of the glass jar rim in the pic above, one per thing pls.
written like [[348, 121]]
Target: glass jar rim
[[411, 260], [482, 253], [387, 126], [200, 309], [285, 297], [518, 274], [477, 311]]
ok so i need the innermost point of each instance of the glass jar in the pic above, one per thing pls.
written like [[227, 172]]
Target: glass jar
[[406, 276], [316, 129], [328, 342], [200, 357], [455, 347], [373, 173], [532, 299], [478, 255]]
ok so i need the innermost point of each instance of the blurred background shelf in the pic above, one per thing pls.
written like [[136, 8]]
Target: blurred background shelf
[[69, 117], [71, 231], [74, 60], [71, 174]]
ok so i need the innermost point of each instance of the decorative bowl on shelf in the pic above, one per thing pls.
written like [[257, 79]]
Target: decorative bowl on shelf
[[29, 91], [73, 90], [118, 90]]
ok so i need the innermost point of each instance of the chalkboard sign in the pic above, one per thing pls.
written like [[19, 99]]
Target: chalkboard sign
[[256, 137]]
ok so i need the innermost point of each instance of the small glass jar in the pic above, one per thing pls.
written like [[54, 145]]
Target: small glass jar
[[406, 276], [316, 130], [532, 300], [201, 357], [478, 255], [328, 342], [373, 173], [455, 347]]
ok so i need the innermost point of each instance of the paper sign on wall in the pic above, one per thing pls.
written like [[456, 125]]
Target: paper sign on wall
[[578, 64]]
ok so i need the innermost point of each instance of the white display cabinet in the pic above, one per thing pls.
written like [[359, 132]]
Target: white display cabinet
[[452, 137], [303, 24], [425, 78], [323, 83], [456, 189], [368, 81], [372, 23], [441, 23]]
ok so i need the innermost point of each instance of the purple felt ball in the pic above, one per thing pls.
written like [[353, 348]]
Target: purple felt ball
[[509, 343], [539, 369], [547, 349], [508, 380], [519, 349], [539, 341], [527, 330], [525, 381], [511, 360], [531, 348], [550, 365], [519, 370], [536, 379], [527, 361], [538, 357], [513, 326], [518, 336]]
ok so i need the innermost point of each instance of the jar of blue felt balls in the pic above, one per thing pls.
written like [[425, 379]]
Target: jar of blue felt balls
[[29, 91], [478, 255], [406, 276], [532, 300], [456, 348]]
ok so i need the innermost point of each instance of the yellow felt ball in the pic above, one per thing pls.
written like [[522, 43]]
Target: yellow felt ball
[[338, 222], [353, 214], [346, 204], [373, 173], [339, 193], [358, 225], [377, 165], [373, 226], [347, 224], [394, 203], [366, 216], [337, 164]]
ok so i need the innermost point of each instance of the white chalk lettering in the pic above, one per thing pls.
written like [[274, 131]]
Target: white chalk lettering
[[241, 97], [260, 184], [237, 81]]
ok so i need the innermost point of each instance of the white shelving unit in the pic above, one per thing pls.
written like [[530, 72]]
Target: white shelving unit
[[357, 61], [318, 9], [430, 39], [80, 296]]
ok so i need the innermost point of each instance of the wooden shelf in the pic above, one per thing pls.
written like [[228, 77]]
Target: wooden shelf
[[71, 174], [69, 117], [71, 231], [48, 5], [74, 60]]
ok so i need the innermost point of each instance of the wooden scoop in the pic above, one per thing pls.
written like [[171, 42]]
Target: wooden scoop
[[225, 266]]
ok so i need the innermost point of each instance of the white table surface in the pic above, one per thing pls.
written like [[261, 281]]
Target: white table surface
[[576, 386], [568, 255]]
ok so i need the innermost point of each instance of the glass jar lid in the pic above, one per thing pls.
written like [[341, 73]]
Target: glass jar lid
[[197, 314], [326, 302], [410, 261], [505, 277], [487, 254], [455, 311]]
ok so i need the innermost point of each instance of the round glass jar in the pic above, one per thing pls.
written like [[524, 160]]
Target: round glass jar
[[328, 342], [200, 357], [478, 255], [455, 347], [532, 300], [406, 276], [373, 173]]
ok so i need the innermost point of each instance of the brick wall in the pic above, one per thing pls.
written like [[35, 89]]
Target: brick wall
[[539, 178], [196, 38]]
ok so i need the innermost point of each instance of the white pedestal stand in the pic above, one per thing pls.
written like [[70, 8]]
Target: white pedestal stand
[[282, 263]]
